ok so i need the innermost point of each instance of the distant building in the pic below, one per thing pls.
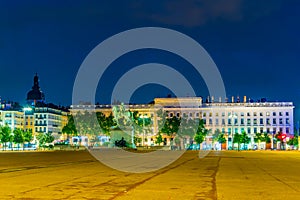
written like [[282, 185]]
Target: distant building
[[35, 94], [13, 118]]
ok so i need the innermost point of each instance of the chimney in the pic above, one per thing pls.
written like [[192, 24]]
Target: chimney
[[245, 99], [212, 99], [220, 99], [232, 99]]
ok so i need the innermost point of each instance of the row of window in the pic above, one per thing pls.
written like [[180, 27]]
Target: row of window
[[249, 122], [255, 130], [229, 114]]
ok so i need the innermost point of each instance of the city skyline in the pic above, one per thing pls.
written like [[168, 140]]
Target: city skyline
[[255, 53]]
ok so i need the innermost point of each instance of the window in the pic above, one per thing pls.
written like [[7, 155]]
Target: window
[[210, 114], [242, 121], [235, 121], [210, 121], [223, 130], [280, 113], [254, 121], [191, 114], [274, 130], [223, 121], [204, 114], [248, 114], [287, 121], [280, 121], [229, 121], [268, 121], [254, 114], [287, 130], [178, 114], [223, 114], [261, 114], [217, 114], [217, 121], [44, 129], [204, 121], [197, 114], [268, 130], [255, 130], [249, 130], [248, 122], [274, 113], [242, 114], [268, 113], [287, 114], [261, 121], [261, 130], [274, 121]]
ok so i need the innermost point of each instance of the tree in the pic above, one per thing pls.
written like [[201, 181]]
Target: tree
[[159, 139], [201, 132], [258, 138], [18, 137], [70, 128], [6, 135], [245, 139], [45, 139], [237, 139], [293, 141], [221, 139], [28, 136]]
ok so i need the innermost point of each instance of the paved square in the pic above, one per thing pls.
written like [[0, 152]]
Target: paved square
[[219, 175]]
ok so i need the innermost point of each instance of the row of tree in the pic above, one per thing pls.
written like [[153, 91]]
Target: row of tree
[[21, 137], [17, 136]]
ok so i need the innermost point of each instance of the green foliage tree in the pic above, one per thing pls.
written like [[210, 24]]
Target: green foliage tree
[[6, 136], [70, 128], [18, 137], [245, 139], [28, 136], [237, 139], [45, 139], [201, 132], [159, 139], [293, 141]]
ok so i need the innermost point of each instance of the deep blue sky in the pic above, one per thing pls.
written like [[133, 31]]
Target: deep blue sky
[[254, 43]]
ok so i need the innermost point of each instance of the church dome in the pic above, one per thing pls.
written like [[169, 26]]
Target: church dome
[[35, 94]]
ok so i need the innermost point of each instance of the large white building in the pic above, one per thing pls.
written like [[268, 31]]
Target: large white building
[[228, 118]]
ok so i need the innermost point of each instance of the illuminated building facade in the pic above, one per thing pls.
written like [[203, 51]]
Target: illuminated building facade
[[227, 117]]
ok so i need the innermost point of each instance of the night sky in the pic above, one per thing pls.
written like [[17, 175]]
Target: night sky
[[254, 43]]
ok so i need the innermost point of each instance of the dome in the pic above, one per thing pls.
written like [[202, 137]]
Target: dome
[[35, 94]]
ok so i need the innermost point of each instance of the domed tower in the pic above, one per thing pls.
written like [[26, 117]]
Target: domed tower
[[35, 94]]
